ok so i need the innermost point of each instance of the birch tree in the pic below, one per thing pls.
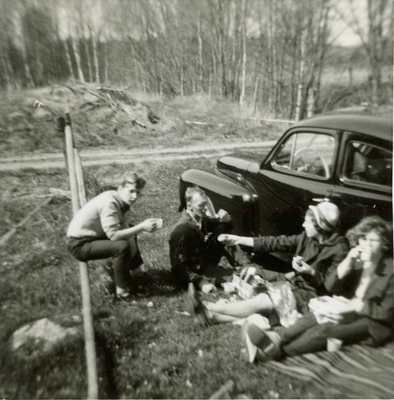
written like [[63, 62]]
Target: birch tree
[[243, 81], [378, 17], [19, 40], [7, 72]]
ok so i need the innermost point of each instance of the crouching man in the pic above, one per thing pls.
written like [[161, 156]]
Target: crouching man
[[100, 230], [194, 248]]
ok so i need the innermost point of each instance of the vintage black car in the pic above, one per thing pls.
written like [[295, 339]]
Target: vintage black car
[[345, 158]]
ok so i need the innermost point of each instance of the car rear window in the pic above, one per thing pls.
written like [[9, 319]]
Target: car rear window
[[309, 154], [369, 164]]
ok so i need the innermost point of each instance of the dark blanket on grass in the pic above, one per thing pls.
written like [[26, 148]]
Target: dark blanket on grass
[[355, 372]]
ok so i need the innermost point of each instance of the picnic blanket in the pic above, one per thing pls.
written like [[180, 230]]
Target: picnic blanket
[[355, 372]]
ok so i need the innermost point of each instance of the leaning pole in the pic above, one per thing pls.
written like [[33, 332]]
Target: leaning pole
[[77, 198]]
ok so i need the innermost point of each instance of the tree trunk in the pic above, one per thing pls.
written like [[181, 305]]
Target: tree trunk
[[223, 68], [243, 80], [376, 9], [6, 74], [294, 36], [161, 84], [200, 66], [182, 80], [26, 66], [106, 65], [96, 62], [256, 88], [301, 76], [373, 43], [273, 23], [293, 79], [68, 59], [214, 68], [311, 102], [75, 47], [322, 47], [272, 63], [88, 60], [281, 79]]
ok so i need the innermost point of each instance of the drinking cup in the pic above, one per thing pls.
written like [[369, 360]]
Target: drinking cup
[[159, 223], [334, 344], [365, 253], [228, 287]]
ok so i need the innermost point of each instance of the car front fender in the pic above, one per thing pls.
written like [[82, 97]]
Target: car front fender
[[237, 197]]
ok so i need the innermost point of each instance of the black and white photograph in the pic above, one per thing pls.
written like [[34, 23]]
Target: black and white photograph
[[196, 199]]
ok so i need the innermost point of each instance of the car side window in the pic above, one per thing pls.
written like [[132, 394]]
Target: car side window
[[368, 163], [309, 154]]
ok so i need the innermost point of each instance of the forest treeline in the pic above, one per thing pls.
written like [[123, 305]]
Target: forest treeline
[[270, 53]]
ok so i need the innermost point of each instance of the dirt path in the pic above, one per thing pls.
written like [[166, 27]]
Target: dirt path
[[104, 157]]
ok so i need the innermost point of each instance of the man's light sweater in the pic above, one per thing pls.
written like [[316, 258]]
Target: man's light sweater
[[100, 218]]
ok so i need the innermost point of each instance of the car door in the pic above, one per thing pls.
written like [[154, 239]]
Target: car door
[[364, 179], [299, 169]]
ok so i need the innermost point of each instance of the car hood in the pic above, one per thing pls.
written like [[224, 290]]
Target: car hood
[[242, 162]]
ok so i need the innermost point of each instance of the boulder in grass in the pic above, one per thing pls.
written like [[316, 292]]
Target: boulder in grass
[[41, 335]]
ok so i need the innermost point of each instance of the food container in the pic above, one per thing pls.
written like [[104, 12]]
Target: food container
[[247, 290]]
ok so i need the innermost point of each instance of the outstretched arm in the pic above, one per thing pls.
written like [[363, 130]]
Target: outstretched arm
[[233, 240]]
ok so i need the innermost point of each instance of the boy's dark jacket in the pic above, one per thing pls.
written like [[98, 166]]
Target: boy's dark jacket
[[187, 244]]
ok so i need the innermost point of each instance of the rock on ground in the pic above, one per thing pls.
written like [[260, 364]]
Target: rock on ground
[[42, 335]]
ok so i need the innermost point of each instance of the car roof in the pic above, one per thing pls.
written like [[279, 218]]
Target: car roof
[[377, 126]]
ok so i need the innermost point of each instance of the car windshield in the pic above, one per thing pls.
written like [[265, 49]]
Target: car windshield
[[306, 153]]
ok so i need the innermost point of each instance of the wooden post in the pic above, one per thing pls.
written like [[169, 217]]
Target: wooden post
[[90, 346], [80, 180], [71, 165]]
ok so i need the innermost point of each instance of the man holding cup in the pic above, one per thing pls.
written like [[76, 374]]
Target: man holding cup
[[100, 230]]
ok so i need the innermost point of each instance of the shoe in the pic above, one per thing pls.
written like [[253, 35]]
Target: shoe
[[123, 294], [195, 307], [259, 343], [137, 272], [141, 291]]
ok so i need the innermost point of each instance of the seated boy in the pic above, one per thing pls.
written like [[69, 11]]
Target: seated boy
[[100, 230]]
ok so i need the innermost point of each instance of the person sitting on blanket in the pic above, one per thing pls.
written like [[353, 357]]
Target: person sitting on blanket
[[365, 277], [318, 250]]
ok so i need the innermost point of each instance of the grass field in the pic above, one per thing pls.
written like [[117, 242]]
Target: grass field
[[143, 352], [147, 348]]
